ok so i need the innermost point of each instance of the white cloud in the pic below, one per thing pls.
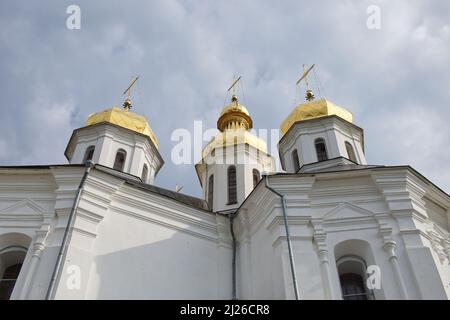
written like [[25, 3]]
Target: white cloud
[[394, 80]]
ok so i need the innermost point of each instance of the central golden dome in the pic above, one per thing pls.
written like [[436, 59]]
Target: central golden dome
[[235, 124], [125, 119], [234, 116]]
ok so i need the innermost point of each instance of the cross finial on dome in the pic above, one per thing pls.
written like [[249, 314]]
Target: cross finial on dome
[[233, 88], [127, 103], [309, 93], [234, 115]]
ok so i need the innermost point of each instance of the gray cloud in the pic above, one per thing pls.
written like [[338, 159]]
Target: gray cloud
[[395, 80]]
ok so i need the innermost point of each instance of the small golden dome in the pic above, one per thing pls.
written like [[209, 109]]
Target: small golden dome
[[314, 109], [232, 137], [124, 119], [234, 116]]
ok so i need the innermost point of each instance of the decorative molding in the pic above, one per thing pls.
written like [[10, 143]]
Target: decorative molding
[[24, 210], [320, 237], [130, 213], [347, 211], [164, 210], [440, 245]]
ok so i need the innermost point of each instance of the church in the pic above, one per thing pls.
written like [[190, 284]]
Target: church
[[328, 226]]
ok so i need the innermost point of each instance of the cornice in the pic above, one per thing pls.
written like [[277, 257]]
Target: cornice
[[316, 125], [169, 225], [165, 209]]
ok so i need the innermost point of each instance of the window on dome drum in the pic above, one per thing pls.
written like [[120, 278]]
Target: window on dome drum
[[321, 149], [232, 188], [119, 162], [88, 155], [295, 160], [144, 173], [352, 277], [211, 191], [8, 280], [350, 151], [256, 177]]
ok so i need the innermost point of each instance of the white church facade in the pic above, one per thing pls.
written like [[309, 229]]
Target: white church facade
[[330, 226]]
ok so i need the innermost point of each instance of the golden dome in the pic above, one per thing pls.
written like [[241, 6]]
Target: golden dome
[[235, 124], [232, 137], [234, 116], [124, 119], [314, 109]]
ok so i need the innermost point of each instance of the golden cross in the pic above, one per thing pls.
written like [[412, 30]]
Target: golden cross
[[128, 90], [127, 103], [309, 94], [304, 76], [233, 85]]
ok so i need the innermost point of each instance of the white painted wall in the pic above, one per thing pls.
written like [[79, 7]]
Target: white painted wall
[[129, 243], [146, 246], [326, 211]]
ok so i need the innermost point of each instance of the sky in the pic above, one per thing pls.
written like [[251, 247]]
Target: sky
[[395, 79]]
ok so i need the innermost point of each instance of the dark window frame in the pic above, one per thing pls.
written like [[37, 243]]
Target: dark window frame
[[352, 284], [144, 175], [232, 185], [120, 166], [350, 151], [256, 177], [89, 153], [352, 287], [8, 280], [211, 191], [295, 160], [321, 149]]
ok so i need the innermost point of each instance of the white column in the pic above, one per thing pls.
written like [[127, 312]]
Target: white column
[[326, 274], [322, 252], [34, 263], [105, 153], [390, 246], [136, 161], [38, 248]]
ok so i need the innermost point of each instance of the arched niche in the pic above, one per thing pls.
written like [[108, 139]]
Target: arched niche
[[352, 258], [13, 250]]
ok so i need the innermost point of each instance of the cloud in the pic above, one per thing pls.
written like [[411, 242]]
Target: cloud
[[395, 80], [410, 137]]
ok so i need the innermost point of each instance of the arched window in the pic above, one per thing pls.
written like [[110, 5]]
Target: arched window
[[350, 151], [352, 276], [211, 191], [295, 160], [89, 154], [144, 174], [232, 188], [13, 249], [8, 280], [119, 162], [256, 177], [321, 149]]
